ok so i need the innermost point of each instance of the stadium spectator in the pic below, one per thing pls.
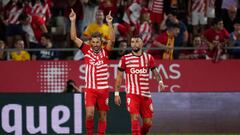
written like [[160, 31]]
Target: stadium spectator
[[197, 10], [45, 53], [156, 11], [122, 32], [96, 62], [41, 8], [90, 8], [20, 54], [180, 5], [235, 40], [145, 27], [71, 87], [217, 37], [12, 11], [97, 26], [226, 4], [181, 39], [3, 55], [34, 26], [27, 7], [200, 51], [229, 17], [165, 41], [211, 12], [131, 16], [122, 45], [137, 66]]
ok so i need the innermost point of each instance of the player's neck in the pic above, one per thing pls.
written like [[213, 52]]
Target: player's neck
[[96, 52], [139, 53]]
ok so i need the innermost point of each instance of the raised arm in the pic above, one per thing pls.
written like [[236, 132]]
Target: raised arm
[[73, 33], [118, 83], [111, 42]]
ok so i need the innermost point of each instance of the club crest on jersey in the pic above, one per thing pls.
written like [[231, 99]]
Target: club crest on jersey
[[100, 62], [138, 71]]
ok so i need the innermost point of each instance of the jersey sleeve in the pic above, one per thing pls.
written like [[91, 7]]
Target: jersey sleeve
[[152, 63], [84, 48], [122, 64], [38, 20]]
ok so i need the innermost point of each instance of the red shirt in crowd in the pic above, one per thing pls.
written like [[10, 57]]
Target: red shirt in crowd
[[211, 34], [36, 24]]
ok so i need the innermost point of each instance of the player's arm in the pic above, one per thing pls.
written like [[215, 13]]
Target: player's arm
[[43, 28], [111, 42], [40, 22], [158, 77], [73, 33], [118, 83], [160, 45]]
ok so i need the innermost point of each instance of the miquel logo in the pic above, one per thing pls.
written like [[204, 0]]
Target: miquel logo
[[52, 118]]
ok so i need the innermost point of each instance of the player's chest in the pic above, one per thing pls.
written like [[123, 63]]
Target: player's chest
[[139, 62], [137, 66], [96, 59]]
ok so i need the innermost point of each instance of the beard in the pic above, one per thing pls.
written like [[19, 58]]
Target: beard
[[135, 50], [96, 49]]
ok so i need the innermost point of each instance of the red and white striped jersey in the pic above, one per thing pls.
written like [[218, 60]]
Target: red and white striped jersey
[[135, 12], [27, 8], [156, 6], [96, 67], [42, 10], [146, 31], [13, 15], [198, 5], [137, 69]]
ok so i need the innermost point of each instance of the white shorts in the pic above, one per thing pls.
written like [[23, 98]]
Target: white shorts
[[198, 18], [211, 12]]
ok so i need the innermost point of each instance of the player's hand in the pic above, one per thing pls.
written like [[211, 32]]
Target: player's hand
[[72, 15], [162, 86], [117, 100], [109, 18]]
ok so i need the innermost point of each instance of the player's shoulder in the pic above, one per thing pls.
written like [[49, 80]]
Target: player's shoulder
[[147, 54], [128, 55], [85, 46]]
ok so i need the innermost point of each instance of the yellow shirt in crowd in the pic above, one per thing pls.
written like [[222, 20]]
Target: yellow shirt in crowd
[[94, 27], [22, 56]]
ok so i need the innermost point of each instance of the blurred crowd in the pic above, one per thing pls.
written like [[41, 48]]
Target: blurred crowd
[[170, 29]]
